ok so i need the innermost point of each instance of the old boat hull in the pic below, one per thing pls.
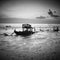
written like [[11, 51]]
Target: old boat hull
[[23, 33]]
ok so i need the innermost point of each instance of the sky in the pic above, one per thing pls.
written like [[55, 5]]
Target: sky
[[28, 9]]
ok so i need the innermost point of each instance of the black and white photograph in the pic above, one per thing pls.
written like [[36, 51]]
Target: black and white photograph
[[29, 30]]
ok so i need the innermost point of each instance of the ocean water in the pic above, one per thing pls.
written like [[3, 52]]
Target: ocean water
[[38, 46]]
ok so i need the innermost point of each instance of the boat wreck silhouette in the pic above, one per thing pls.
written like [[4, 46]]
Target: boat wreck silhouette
[[55, 28], [27, 29]]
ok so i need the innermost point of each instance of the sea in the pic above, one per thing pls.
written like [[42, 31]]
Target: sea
[[44, 44]]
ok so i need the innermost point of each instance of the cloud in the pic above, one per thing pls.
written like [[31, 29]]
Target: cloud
[[52, 14], [41, 17]]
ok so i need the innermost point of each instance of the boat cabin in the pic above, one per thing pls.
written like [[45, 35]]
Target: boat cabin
[[26, 27]]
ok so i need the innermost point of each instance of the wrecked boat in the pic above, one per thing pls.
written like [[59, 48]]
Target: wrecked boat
[[55, 28], [27, 29]]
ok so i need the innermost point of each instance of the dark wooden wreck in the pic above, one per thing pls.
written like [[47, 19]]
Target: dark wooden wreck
[[26, 30], [55, 28]]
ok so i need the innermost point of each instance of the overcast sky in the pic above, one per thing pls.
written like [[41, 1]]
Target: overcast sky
[[28, 8]]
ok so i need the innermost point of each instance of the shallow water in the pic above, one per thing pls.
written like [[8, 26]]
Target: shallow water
[[31, 47], [38, 46]]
